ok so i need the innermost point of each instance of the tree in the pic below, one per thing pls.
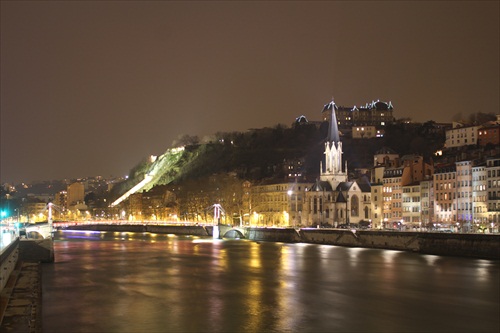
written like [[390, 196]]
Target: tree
[[186, 140]]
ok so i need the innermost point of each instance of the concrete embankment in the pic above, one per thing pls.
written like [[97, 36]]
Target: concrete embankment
[[158, 229], [485, 246], [21, 295]]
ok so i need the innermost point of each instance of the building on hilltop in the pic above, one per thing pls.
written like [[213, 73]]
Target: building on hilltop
[[461, 135], [376, 113], [489, 135]]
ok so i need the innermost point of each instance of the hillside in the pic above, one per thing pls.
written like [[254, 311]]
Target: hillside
[[259, 154]]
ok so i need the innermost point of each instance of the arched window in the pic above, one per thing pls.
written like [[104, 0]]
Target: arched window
[[354, 206]]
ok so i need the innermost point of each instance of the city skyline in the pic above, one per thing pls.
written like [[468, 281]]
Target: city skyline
[[93, 88]]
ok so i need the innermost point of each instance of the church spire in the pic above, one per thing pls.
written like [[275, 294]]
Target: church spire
[[333, 151], [333, 129]]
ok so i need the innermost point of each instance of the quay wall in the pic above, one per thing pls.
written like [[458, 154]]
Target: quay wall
[[158, 229], [486, 246], [286, 235], [8, 260], [24, 250], [178, 230], [21, 287], [36, 250]]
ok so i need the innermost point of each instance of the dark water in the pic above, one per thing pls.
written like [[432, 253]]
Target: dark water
[[132, 282]]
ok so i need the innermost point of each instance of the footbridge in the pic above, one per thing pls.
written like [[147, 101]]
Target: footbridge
[[39, 231], [227, 231]]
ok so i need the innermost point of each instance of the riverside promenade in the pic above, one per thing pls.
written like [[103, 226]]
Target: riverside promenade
[[21, 295]]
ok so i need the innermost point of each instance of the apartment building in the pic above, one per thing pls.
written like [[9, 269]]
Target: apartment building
[[426, 202], [279, 204], [489, 135], [464, 193], [461, 135], [479, 194], [76, 194], [411, 205], [375, 113], [392, 194], [366, 132], [445, 194], [493, 189]]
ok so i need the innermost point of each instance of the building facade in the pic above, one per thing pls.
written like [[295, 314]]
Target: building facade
[[460, 136], [493, 189], [445, 194], [479, 195], [464, 193], [377, 114]]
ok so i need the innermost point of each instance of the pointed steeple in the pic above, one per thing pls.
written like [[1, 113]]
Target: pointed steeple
[[333, 129], [332, 171]]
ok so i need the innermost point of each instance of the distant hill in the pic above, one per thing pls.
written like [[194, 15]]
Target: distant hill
[[259, 154]]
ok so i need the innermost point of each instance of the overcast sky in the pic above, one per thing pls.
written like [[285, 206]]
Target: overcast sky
[[90, 88]]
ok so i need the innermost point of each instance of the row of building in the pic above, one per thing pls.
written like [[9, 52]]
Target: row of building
[[397, 192]]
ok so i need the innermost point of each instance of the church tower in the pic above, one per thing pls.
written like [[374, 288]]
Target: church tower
[[332, 171]]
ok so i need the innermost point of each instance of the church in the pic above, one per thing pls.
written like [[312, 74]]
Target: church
[[333, 200]]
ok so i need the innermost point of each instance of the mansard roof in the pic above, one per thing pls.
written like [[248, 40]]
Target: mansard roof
[[329, 106], [301, 119], [381, 106], [377, 105]]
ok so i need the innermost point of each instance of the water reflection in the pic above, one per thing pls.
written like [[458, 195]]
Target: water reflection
[[133, 282]]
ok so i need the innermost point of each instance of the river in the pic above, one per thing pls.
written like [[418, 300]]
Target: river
[[141, 282]]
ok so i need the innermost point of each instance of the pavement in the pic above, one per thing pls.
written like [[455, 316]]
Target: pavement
[[21, 300]]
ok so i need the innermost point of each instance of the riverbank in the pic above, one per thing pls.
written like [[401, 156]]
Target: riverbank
[[21, 300], [21, 292]]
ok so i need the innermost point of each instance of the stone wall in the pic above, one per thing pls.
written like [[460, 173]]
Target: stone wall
[[286, 235], [8, 261], [178, 230], [451, 244]]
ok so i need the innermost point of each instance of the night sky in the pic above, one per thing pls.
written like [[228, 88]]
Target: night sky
[[91, 88]]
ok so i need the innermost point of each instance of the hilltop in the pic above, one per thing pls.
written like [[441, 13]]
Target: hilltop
[[260, 155]]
